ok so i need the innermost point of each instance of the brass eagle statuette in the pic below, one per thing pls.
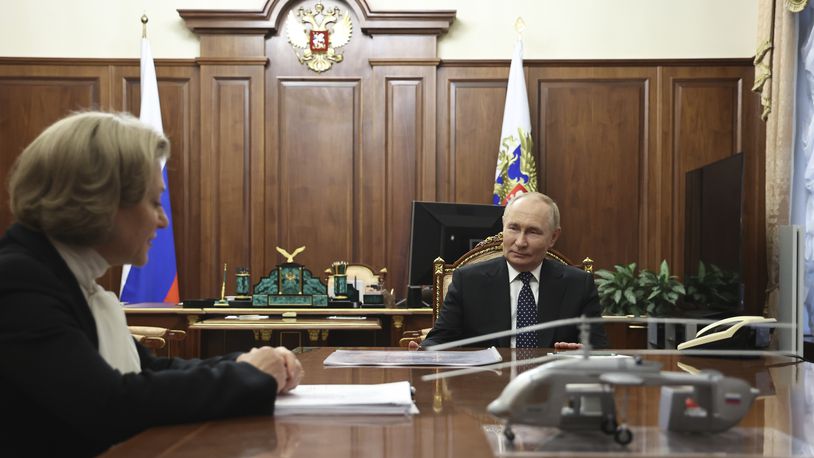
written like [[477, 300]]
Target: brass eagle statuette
[[290, 256]]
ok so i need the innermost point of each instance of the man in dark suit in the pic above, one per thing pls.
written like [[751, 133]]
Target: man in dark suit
[[520, 288]]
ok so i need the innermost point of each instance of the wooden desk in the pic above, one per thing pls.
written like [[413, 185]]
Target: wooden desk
[[317, 328], [392, 323], [453, 416]]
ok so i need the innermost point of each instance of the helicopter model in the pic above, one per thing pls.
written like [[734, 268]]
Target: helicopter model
[[576, 392]]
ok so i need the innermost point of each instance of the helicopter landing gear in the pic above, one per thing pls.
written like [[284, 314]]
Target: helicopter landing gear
[[623, 435], [609, 425], [507, 431]]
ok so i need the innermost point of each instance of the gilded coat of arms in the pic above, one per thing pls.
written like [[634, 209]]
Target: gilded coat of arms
[[516, 169], [317, 34]]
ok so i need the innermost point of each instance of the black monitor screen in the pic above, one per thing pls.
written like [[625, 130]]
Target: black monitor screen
[[447, 230], [713, 235]]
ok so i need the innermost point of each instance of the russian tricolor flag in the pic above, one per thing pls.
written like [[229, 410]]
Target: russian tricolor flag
[[156, 281]]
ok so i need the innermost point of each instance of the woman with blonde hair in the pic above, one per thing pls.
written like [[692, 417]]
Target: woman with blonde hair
[[86, 196]]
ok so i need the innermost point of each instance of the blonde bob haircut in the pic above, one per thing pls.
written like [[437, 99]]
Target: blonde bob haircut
[[70, 181]]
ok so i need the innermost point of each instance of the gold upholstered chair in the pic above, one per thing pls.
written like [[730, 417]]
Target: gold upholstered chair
[[489, 248]]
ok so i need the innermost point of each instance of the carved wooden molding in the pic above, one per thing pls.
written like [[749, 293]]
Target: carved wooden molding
[[268, 20], [379, 62], [261, 61], [718, 62], [89, 62]]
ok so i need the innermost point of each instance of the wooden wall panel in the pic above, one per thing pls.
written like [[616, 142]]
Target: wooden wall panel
[[585, 125], [404, 138], [347, 153], [710, 113], [28, 105], [612, 142], [318, 150], [232, 166], [705, 119], [231, 184], [470, 114], [475, 106], [402, 158]]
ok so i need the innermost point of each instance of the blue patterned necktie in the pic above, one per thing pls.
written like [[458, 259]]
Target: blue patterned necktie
[[526, 313]]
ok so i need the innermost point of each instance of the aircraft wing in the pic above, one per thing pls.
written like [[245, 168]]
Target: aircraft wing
[[620, 378]]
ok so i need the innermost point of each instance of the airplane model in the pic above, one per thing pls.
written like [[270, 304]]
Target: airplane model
[[577, 393]]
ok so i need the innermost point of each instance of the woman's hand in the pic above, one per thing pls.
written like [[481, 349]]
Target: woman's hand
[[278, 362]]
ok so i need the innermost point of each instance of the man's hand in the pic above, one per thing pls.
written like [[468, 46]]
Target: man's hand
[[278, 362], [567, 346], [413, 345]]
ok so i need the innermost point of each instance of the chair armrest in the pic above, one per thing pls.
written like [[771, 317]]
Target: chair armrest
[[151, 342], [148, 331], [175, 335], [413, 336]]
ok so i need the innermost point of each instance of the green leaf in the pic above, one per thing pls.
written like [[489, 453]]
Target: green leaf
[[630, 296], [607, 275], [664, 269]]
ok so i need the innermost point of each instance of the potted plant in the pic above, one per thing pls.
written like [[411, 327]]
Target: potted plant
[[624, 291], [620, 292], [713, 288], [662, 290]]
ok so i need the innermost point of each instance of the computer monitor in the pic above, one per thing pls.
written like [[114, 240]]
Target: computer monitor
[[447, 230], [713, 235]]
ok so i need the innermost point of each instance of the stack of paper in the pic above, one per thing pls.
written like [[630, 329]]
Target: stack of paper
[[413, 358], [378, 399]]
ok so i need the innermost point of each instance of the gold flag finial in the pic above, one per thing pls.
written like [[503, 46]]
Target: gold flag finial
[[519, 25], [144, 21]]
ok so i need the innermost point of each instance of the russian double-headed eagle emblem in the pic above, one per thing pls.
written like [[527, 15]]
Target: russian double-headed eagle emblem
[[516, 169], [308, 31]]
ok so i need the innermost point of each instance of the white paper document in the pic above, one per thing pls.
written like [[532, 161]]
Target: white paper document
[[378, 399], [413, 358]]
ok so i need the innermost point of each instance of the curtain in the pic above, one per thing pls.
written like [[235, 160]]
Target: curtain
[[802, 196], [775, 64]]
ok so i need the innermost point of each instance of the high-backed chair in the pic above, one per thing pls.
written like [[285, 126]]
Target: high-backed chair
[[489, 248]]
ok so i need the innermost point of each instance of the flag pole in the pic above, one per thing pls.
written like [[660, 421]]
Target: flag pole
[[157, 280], [515, 170]]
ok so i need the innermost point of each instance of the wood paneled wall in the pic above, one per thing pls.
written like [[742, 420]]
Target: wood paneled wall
[[613, 141], [268, 153]]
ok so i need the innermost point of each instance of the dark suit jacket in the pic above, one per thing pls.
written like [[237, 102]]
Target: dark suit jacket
[[478, 302], [60, 398]]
